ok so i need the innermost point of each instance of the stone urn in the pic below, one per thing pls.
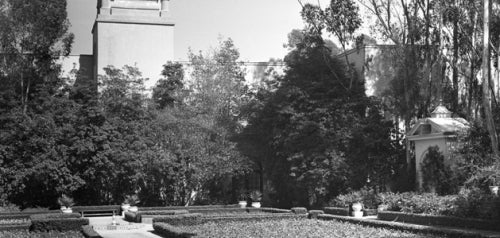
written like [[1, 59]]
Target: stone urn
[[242, 204], [133, 209]]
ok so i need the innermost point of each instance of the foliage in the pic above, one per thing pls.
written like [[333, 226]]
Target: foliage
[[169, 230], [255, 196], [65, 201], [436, 174], [476, 203], [132, 200], [57, 224], [292, 228], [366, 196], [167, 90]]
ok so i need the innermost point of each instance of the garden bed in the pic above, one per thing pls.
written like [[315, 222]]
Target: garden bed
[[424, 219], [291, 228], [51, 234]]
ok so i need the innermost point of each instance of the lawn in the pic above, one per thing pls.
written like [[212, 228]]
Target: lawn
[[295, 228], [52, 234]]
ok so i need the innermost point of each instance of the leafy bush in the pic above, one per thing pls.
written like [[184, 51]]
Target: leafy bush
[[438, 177], [367, 196], [54, 216], [168, 230], [475, 203], [65, 201]]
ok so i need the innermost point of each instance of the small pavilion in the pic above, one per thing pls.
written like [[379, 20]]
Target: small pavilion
[[440, 130]]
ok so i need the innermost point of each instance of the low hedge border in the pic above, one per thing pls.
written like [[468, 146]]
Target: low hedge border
[[275, 210], [254, 217], [189, 207], [299, 210], [425, 219], [16, 227], [340, 211], [54, 216], [137, 216], [313, 214], [89, 232], [168, 230], [58, 224], [188, 219], [414, 228], [16, 215]]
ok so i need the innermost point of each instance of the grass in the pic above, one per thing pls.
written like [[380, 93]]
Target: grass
[[295, 228], [52, 234]]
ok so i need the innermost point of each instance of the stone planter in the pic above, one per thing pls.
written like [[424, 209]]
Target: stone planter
[[357, 209], [242, 204], [66, 210], [256, 204]]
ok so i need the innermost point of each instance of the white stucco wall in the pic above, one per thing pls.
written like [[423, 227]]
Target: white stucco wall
[[421, 147], [147, 46]]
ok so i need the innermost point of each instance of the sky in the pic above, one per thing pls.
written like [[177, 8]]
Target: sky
[[259, 28]]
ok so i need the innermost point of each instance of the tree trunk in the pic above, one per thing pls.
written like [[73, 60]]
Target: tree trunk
[[486, 79]]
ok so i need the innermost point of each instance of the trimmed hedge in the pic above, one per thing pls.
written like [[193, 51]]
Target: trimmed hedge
[[313, 214], [190, 208], [89, 232], [170, 231], [54, 216], [188, 219], [137, 216], [425, 219], [96, 208], [405, 226], [58, 222], [15, 227], [299, 210], [275, 210], [340, 211], [254, 217]]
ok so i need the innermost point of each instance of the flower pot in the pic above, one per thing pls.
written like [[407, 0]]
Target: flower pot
[[357, 209], [125, 207], [242, 204], [256, 204], [494, 190], [133, 209]]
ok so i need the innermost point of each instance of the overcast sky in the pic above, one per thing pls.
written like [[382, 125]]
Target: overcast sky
[[259, 28]]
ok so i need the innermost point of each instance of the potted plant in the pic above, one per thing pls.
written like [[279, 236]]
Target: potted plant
[[242, 200], [131, 201], [66, 203], [256, 197]]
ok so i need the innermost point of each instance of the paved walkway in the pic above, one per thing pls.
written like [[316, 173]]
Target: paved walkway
[[124, 229]]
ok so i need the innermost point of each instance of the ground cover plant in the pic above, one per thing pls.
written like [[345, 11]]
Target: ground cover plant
[[293, 228]]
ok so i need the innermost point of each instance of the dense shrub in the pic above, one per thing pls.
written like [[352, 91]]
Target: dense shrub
[[168, 230], [50, 234], [341, 211], [476, 203], [55, 216], [367, 196], [275, 210]]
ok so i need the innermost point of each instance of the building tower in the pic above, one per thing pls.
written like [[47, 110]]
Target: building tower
[[133, 32]]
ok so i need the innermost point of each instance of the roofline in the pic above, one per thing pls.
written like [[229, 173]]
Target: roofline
[[430, 136]]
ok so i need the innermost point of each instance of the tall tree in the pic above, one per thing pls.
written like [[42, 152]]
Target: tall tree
[[490, 124], [33, 34]]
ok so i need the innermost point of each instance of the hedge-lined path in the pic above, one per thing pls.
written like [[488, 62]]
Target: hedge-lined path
[[123, 230]]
